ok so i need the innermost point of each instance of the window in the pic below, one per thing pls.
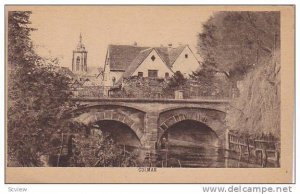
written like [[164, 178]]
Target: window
[[77, 63], [186, 56], [153, 58], [140, 74], [166, 75], [152, 73]]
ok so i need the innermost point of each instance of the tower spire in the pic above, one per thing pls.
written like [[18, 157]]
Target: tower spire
[[79, 61]]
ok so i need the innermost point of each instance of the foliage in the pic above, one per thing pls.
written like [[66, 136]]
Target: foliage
[[139, 87], [202, 74], [37, 96], [203, 83], [176, 81], [101, 151], [209, 82], [19, 43], [246, 47], [94, 91], [257, 109], [233, 41]]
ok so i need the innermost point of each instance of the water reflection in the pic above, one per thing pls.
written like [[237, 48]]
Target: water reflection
[[203, 157], [192, 144]]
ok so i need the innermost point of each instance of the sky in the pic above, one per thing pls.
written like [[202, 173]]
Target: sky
[[58, 28]]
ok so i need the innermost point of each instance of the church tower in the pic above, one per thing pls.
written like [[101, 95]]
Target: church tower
[[79, 60]]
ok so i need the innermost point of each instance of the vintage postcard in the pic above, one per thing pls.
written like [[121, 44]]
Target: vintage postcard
[[149, 94]]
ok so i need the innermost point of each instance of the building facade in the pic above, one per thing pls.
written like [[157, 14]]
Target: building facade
[[123, 61]]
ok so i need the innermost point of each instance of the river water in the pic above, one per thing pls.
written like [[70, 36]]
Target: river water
[[197, 157]]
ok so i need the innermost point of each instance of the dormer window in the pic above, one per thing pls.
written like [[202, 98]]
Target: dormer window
[[153, 58], [186, 56]]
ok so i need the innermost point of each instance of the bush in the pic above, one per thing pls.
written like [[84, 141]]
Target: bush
[[101, 151]]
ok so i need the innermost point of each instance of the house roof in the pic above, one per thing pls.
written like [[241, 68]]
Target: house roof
[[164, 54], [121, 56], [87, 80], [136, 62], [174, 53], [127, 58]]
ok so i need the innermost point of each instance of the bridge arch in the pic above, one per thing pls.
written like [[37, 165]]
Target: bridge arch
[[190, 133], [171, 120], [193, 107], [206, 118], [91, 118]]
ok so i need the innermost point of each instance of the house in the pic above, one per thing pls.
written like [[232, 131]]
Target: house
[[183, 59], [149, 63], [123, 61]]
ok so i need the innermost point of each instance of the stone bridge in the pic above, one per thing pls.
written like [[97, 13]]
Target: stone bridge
[[148, 120]]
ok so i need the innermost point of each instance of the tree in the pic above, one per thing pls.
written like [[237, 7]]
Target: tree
[[246, 46], [233, 42], [19, 43], [176, 81], [37, 96], [204, 74]]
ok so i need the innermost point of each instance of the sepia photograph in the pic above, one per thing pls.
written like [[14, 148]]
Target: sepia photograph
[[157, 90]]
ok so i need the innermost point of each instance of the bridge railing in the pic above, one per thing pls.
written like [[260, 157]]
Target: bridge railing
[[153, 100], [153, 97]]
